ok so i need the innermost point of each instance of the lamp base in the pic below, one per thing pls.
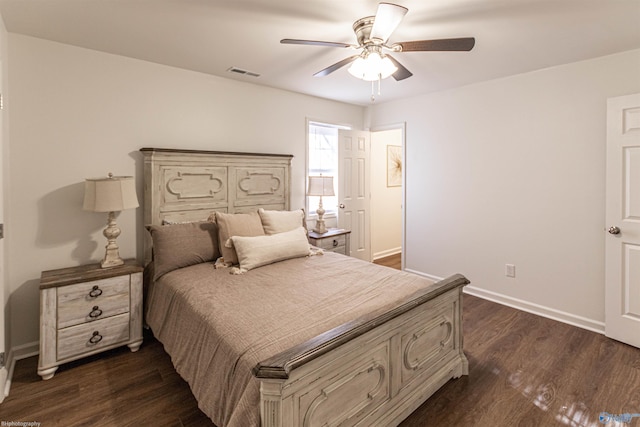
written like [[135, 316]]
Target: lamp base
[[111, 255], [111, 260], [320, 227]]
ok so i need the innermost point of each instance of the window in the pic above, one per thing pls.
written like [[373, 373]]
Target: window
[[323, 160]]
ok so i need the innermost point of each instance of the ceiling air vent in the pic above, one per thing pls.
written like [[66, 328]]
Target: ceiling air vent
[[244, 72]]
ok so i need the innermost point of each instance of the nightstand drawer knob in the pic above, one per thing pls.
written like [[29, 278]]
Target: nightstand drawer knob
[[95, 338], [95, 292], [335, 243], [95, 312]]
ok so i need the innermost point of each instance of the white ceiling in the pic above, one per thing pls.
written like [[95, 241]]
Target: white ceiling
[[210, 36]]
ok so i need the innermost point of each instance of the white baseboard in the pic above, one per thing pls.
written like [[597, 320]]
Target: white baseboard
[[15, 354], [529, 307], [420, 273], [387, 253]]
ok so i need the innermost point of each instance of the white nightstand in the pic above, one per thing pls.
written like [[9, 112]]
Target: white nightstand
[[88, 309], [335, 240]]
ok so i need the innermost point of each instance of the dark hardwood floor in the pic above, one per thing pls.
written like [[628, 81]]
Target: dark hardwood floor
[[525, 370]]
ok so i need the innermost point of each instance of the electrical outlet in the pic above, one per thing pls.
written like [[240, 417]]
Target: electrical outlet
[[510, 270]]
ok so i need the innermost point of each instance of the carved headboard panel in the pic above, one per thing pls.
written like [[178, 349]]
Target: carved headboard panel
[[187, 185]]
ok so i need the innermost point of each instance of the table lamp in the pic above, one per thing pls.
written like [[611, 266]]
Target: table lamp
[[111, 194], [320, 186]]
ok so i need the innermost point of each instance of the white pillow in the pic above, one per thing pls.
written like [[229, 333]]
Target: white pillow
[[275, 222], [262, 250]]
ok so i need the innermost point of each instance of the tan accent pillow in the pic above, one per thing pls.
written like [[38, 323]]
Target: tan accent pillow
[[181, 245], [275, 222], [262, 250], [229, 225]]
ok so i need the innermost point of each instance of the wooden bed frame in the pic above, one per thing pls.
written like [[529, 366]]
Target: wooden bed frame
[[373, 371]]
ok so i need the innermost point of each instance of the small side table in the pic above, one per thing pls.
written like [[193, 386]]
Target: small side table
[[335, 240], [86, 310]]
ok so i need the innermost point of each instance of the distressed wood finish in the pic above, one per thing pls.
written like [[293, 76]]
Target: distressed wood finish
[[187, 185], [335, 240], [371, 371], [280, 365], [75, 308], [77, 340], [374, 371], [85, 310]]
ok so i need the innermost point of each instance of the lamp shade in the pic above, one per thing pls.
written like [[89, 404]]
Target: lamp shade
[[111, 194], [321, 186]]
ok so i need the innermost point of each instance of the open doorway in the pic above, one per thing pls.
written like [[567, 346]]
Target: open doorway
[[383, 230], [387, 176]]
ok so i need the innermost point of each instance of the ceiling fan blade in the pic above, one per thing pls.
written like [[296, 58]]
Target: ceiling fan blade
[[459, 44], [314, 43], [387, 19], [401, 73], [336, 66]]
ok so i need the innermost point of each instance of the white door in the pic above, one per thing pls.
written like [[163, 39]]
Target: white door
[[353, 190], [622, 294]]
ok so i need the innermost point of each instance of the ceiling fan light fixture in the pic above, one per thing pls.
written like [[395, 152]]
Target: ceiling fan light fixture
[[372, 66], [387, 68], [372, 35]]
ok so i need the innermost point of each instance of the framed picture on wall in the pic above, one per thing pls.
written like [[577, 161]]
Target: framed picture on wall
[[394, 165]]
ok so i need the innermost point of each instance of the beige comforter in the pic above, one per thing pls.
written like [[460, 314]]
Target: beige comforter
[[217, 326]]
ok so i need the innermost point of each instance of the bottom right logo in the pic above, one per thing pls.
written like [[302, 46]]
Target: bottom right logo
[[606, 418]]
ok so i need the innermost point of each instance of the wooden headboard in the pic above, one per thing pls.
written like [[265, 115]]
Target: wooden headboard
[[187, 185]]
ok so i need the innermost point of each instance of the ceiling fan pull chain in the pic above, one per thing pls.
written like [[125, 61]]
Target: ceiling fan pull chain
[[373, 98]]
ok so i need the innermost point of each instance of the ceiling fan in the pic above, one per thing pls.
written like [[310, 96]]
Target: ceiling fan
[[372, 34]]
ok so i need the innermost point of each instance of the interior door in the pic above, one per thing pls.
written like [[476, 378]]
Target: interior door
[[353, 193], [622, 294]]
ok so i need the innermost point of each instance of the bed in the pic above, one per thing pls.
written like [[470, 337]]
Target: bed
[[310, 340]]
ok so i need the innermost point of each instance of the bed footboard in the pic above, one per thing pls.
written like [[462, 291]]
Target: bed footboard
[[371, 372]]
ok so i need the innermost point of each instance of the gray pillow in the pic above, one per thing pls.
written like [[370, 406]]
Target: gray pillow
[[240, 224], [181, 245]]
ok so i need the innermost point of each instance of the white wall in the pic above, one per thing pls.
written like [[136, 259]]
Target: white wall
[[513, 171], [78, 113], [386, 202]]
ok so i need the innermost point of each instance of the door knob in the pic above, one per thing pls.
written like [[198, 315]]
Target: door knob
[[614, 230], [341, 205]]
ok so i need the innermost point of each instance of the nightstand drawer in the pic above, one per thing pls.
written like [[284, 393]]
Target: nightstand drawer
[[86, 302], [89, 311], [94, 290], [334, 240], [331, 243], [76, 340]]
